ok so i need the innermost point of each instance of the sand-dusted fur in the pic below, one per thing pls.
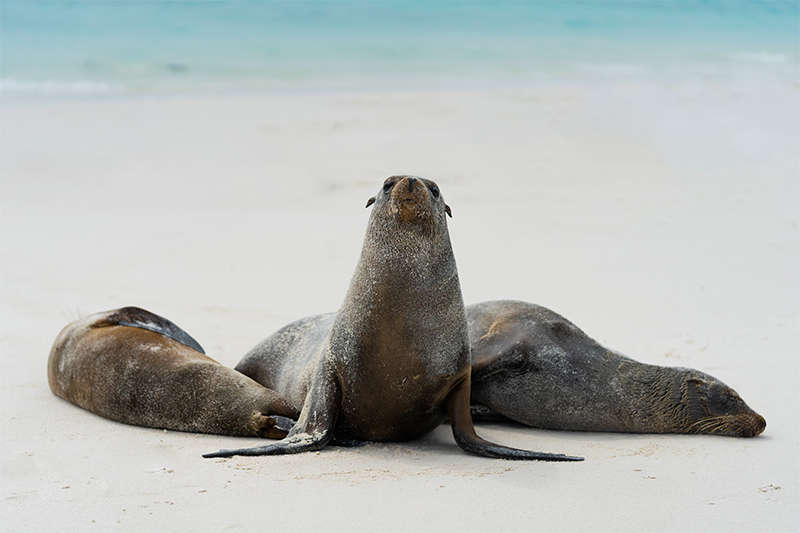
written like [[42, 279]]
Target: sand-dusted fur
[[136, 367], [536, 367], [394, 362]]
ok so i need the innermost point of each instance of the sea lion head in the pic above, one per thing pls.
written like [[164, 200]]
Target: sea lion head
[[411, 202], [715, 408]]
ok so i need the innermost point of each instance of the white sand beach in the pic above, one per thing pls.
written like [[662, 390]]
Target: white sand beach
[[660, 217]]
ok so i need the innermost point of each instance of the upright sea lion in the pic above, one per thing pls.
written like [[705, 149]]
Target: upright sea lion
[[394, 362], [533, 366], [136, 367]]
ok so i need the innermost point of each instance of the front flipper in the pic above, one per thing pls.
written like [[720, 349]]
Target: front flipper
[[298, 443], [466, 438], [136, 317], [314, 428]]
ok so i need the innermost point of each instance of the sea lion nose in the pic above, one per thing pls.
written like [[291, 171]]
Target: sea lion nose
[[760, 424], [411, 182]]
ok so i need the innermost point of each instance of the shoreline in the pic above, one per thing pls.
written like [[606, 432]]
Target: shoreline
[[744, 69]]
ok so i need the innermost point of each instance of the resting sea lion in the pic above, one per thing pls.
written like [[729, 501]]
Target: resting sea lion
[[394, 362], [535, 367], [136, 367]]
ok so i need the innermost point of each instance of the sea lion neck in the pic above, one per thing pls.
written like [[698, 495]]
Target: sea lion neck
[[393, 269], [390, 241]]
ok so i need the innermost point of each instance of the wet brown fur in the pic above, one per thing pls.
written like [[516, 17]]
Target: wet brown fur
[[141, 377], [536, 367]]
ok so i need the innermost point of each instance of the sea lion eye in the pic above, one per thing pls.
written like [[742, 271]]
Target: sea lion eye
[[434, 190], [388, 186]]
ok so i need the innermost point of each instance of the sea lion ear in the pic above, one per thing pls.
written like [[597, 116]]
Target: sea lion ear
[[697, 381], [370, 201], [447, 210]]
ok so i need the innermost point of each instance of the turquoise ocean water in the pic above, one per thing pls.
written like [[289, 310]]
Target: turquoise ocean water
[[63, 48]]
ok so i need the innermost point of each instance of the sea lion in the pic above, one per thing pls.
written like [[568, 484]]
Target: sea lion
[[394, 362], [535, 367], [136, 367]]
